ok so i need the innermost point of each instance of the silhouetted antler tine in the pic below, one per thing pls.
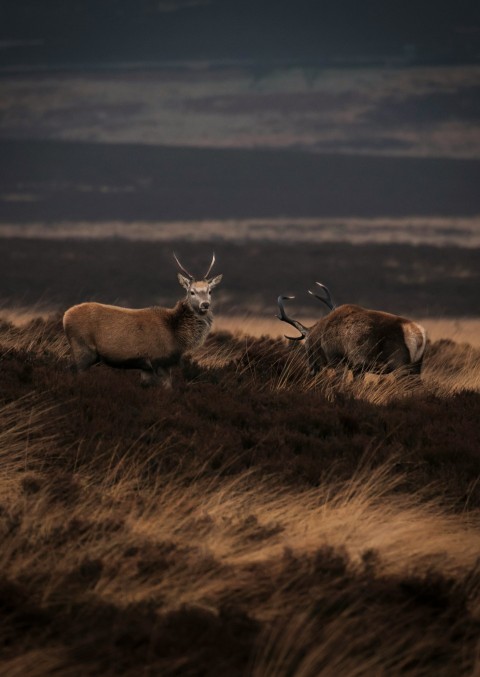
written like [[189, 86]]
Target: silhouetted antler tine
[[320, 298], [211, 266], [327, 301], [184, 270], [284, 317]]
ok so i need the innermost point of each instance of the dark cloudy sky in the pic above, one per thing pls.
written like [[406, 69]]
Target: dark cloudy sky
[[49, 31]]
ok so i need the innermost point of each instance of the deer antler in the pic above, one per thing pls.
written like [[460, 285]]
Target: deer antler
[[284, 317], [328, 301], [210, 268], [184, 270]]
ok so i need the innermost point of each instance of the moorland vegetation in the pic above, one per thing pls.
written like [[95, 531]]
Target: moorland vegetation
[[253, 520]]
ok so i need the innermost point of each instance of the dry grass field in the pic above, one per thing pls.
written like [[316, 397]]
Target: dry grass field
[[252, 521]]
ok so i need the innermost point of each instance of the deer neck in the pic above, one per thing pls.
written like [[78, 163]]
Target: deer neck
[[190, 327]]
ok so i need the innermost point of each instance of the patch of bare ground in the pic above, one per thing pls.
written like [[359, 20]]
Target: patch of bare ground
[[253, 521]]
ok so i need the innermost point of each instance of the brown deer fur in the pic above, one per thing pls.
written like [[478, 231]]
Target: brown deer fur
[[150, 339], [363, 340]]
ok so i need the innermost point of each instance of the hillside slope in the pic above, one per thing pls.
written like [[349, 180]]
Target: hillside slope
[[251, 521]]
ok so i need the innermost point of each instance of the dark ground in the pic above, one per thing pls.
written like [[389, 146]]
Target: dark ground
[[419, 280], [158, 183]]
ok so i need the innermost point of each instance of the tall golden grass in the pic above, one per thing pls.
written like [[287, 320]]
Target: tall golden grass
[[213, 537], [323, 580]]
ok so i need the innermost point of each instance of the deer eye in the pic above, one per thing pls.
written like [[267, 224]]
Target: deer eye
[[192, 293]]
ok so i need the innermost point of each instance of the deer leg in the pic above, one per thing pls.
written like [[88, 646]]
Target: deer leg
[[164, 375], [315, 367], [357, 371], [83, 356], [148, 378], [312, 363], [315, 359]]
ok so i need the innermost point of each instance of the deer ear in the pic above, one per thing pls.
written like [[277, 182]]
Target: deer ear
[[214, 281], [184, 281]]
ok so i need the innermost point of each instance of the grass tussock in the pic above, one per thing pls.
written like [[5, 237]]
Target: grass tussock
[[253, 521]]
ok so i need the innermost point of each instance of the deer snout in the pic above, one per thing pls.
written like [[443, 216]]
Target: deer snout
[[205, 305]]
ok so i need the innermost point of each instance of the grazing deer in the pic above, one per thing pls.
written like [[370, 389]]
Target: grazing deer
[[150, 339], [362, 340]]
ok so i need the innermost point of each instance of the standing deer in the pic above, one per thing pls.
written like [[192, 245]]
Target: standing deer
[[362, 340], [150, 339]]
